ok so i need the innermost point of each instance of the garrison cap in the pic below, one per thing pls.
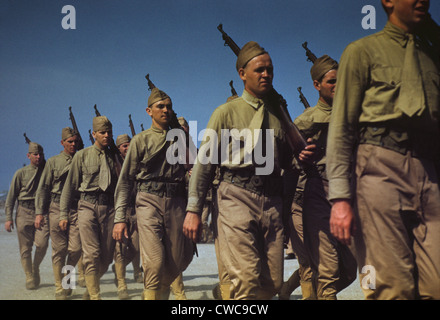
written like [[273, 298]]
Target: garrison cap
[[67, 132], [123, 138], [101, 123], [157, 95], [321, 66], [249, 51], [182, 122], [35, 148]]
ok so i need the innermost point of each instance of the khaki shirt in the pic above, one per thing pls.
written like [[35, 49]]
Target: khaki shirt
[[52, 180], [313, 123], [236, 114], [368, 86], [83, 176], [145, 161], [23, 187]]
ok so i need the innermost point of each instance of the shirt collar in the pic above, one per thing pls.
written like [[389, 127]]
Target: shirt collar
[[158, 130], [323, 105], [253, 101], [397, 34]]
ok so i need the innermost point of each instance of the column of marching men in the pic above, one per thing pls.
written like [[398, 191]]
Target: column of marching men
[[363, 192]]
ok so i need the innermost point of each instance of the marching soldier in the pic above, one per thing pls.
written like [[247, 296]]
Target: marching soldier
[[160, 201], [31, 228], [250, 226], [66, 242], [386, 109], [93, 175], [332, 262], [129, 250]]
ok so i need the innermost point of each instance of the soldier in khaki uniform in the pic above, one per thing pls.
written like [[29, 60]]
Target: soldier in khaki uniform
[[127, 251], [332, 262], [65, 243], [160, 201], [249, 197], [93, 175], [386, 109], [31, 229]]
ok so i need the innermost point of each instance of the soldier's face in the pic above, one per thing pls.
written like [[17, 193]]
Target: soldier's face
[[327, 86], [36, 158], [70, 145], [258, 75], [102, 138], [160, 113], [407, 13], [123, 149]]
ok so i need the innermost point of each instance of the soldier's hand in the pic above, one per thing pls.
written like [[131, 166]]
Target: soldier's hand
[[9, 225], [120, 229], [308, 153], [192, 226], [342, 221], [63, 224], [39, 221]]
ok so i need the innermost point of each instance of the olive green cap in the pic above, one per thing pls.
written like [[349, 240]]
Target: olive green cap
[[123, 138], [249, 51], [157, 95], [321, 66], [101, 123], [182, 122], [67, 132], [35, 148]]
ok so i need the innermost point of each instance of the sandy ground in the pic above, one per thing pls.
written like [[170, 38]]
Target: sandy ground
[[199, 278]]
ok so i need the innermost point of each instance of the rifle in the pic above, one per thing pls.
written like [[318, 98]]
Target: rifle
[[75, 128], [303, 99], [26, 138], [234, 93], [228, 40], [98, 114], [142, 127], [130, 122], [294, 137], [310, 56], [151, 86], [92, 140]]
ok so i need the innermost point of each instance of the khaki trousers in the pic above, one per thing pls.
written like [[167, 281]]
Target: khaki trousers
[[65, 244], [297, 240], [165, 251], [28, 236], [95, 227], [398, 225], [334, 264], [250, 240], [132, 247]]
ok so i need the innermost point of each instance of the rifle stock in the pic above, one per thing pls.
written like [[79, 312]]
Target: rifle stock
[[310, 56], [98, 114], [75, 128], [92, 140], [303, 99], [294, 137], [233, 92], [26, 139], [130, 123]]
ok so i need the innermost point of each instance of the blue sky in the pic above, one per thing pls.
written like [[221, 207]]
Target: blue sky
[[44, 69]]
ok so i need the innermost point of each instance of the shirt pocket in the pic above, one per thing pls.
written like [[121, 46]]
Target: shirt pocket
[[384, 90], [432, 88]]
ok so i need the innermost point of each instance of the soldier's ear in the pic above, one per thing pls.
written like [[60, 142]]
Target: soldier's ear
[[388, 6], [317, 85], [242, 74], [148, 109]]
